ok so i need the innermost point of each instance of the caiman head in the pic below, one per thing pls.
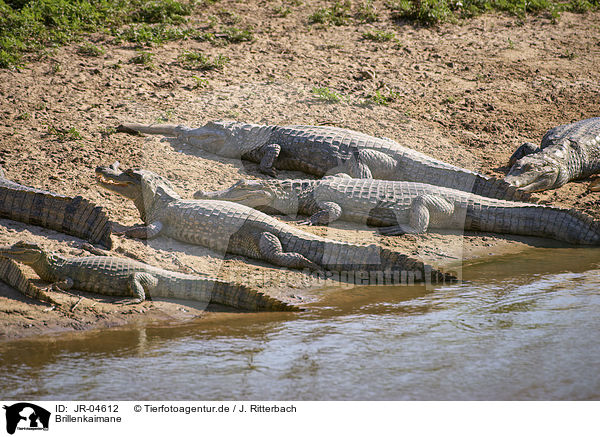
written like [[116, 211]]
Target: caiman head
[[247, 192], [540, 171], [23, 252], [144, 187], [273, 196], [227, 138]]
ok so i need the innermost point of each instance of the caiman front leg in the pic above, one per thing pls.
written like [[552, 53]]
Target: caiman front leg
[[326, 212], [271, 153], [271, 250], [594, 185], [62, 286], [145, 232], [140, 284], [422, 210], [524, 150]]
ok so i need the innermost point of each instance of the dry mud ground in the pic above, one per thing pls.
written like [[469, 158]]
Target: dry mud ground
[[466, 93]]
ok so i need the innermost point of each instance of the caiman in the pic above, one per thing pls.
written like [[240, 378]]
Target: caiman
[[408, 207], [322, 150], [567, 153], [11, 274], [70, 215], [114, 276], [232, 228]]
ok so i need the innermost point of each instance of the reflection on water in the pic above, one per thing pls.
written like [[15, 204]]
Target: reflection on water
[[523, 327]]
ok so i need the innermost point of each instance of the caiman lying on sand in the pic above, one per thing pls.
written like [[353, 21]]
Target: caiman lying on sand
[[230, 227], [11, 274], [321, 150], [408, 207], [567, 153], [71, 215], [115, 276]]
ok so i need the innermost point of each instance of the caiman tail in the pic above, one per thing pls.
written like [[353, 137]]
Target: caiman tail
[[71, 215], [153, 129], [376, 262], [246, 298], [11, 274], [475, 183], [566, 225]]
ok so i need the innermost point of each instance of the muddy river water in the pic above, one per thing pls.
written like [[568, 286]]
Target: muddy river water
[[520, 327]]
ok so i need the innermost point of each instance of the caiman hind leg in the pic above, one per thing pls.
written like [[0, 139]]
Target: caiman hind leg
[[265, 156], [267, 163], [424, 210], [326, 212], [270, 249]]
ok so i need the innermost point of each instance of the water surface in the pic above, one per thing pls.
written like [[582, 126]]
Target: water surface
[[522, 327]]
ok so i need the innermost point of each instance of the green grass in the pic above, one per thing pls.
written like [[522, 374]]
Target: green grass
[[383, 99], [379, 35], [367, 12], [62, 135], [147, 34], [30, 26], [143, 58], [89, 49], [198, 61], [430, 12], [337, 14], [327, 95]]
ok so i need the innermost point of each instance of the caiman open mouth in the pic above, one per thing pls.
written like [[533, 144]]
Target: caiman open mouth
[[103, 180]]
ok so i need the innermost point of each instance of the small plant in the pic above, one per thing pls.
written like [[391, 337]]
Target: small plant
[[167, 115], [89, 49], [56, 67], [198, 61], [143, 58], [327, 95], [379, 35], [199, 82], [380, 98], [234, 35], [367, 12], [282, 10], [568, 55], [65, 134], [164, 11], [450, 100], [338, 14], [148, 35], [23, 116]]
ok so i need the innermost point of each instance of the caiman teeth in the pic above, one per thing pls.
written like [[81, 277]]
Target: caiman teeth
[[102, 179]]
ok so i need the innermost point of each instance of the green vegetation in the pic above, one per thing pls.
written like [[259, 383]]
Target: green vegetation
[[36, 26], [32, 25], [380, 98], [327, 95], [143, 58], [89, 49], [199, 82], [367, 12], [379, 35], [337, 14], [150, 34], [435, 11], [71, 134], [198, 61]]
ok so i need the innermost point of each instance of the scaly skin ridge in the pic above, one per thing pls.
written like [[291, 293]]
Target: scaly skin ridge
[[386, 203], [75, 216], [111, 276], [321, 150]]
